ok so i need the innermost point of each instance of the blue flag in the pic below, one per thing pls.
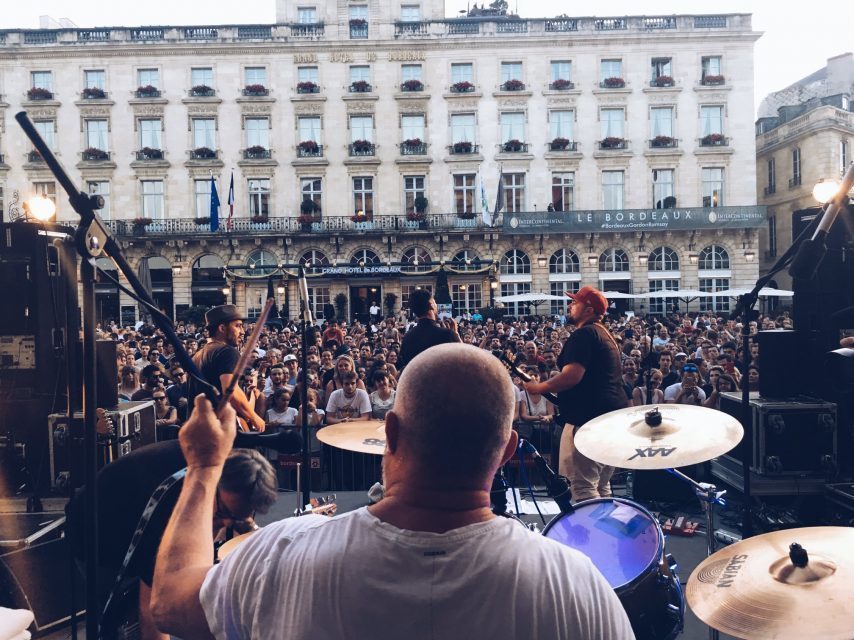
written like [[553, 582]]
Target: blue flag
[[214, 206]]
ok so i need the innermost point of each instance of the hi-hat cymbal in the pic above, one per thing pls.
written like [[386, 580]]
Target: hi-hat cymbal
[[752, 589], [361, 436], [686, 435]]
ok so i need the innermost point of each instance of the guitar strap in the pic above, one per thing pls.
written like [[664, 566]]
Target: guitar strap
[[150, 508]]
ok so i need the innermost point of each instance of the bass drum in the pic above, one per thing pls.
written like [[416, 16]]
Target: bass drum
[[626, 544]]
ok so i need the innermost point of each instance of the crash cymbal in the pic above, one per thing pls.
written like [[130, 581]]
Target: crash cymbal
[[686, 435], [362, 437], [753, 588]]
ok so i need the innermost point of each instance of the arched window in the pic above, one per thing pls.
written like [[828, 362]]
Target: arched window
[[515, 262], [415, 260], [313, 260], [614, 260], [564, 261], [261, 263], [663, 259], [365, 257], [714, 257], [466, 260], [208, 269]]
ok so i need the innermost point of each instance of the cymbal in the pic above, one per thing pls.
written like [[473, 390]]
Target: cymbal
[[687, 435], [361, 436], [752, 589]]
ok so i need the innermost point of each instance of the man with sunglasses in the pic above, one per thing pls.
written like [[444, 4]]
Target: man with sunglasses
[[688, 391]]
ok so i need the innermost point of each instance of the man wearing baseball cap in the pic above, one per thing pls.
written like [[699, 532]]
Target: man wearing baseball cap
[[588, 385], [217, 359]]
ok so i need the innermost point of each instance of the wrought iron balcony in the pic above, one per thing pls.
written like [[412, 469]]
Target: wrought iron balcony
[[147, 92], [513, 146], [563, 145], [313, 152], [663, 142], [413, 149], [202, 91], [307, 87], [203, 153], [361, 86], [95, 155], [257, 153], [714, 140], [93, 93], [255, 91], [362, 148], [34, 156], [610, 144], [358, 32], [561, 85], [463, 148], [148, 154]]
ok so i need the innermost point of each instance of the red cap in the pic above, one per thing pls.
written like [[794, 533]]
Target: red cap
[[592, 297]]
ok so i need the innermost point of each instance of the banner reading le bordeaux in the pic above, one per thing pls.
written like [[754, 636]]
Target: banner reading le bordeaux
[[635, 220]]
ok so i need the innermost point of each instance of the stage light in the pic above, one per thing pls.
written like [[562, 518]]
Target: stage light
[[41, 208], [824, 190]]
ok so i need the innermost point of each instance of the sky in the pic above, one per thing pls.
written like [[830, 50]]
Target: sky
[[798, 38]]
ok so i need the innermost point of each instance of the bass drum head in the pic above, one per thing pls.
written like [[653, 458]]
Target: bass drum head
[[621, 538]]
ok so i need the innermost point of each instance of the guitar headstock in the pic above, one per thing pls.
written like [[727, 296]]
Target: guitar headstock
[[324, 506]]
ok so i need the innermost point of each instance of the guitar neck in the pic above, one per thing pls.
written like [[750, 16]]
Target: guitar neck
[[551, 397]]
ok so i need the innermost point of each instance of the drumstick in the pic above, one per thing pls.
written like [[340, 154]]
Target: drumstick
[[245, 356]]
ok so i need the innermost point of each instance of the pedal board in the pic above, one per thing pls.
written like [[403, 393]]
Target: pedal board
[[680, 526]]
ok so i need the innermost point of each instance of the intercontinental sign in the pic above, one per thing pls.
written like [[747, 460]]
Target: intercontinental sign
[[635, 220]]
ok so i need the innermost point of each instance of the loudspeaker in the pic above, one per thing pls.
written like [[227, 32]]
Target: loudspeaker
[[41, 578], [779, 366]]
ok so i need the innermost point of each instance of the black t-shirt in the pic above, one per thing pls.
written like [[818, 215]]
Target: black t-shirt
[[601, 388], [421, 337], [213, 360]]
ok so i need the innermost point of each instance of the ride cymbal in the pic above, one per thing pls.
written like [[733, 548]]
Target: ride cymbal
[[361, 436], [684, 435], [764, 587]]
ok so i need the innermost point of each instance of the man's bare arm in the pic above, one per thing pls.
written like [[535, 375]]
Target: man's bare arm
[[569, 376], [241, 404]]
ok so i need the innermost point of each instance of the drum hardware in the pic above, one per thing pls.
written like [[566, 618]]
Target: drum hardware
[[557, 486], [361, 436]]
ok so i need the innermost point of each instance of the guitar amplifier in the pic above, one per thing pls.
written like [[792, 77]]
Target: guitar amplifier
[[794, 437], [134, 425]]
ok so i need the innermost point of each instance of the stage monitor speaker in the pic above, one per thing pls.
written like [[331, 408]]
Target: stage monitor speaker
[[779, 364]]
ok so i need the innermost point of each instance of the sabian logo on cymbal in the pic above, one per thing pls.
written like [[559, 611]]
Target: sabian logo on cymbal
[[730, 571], [373, 442], [651, 452]]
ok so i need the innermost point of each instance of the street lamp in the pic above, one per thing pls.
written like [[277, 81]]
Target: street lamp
[[40, 207]]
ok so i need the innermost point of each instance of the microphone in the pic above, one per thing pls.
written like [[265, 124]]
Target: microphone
[[811, 251], [556, 485], [289, 441], [303, 292]]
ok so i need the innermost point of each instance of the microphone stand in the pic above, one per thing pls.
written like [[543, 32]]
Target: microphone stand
[[305, 472]]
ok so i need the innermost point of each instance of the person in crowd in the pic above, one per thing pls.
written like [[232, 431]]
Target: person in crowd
[[382, 398], [315, 413], [665, 365], [588, 385], [433, 531], [291, 366], [150, 378], [349, 403], [723, 383], [256, 398], [639, 393], [533, 407], [427, 333], [342, 365], [687, 391], [630, 376], [276, 380], [165, 416], [279, 414], [333, 333], [129, 383], [753, 377], [178, 392]]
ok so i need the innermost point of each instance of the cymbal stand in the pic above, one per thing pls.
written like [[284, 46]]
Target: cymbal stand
[[709, 496]]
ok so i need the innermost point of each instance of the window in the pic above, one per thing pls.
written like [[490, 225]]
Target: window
[[406, 290], [614, 261], [306, 15], [712, 118], [611, 122], [318, 298], [796, 166], [309, 129], [258, 132], [563, 191], [772, 176], [514, 263], [95, 79], [148, 77], [464, 193], [203, 198], [561, 70], [96, 135], [363, 196], [417, 260], [412, 127], [462, 127], [663, 193], [662, 305], [561, 124], [516, 289], [149, 133], [713, 257], [772, 236], [358, 12], [843, 156], [46, 190], [256, 75], [361, 128], [564, 261], [313, 260], [462, 72], [612, 189], [410, 13], [610, 69], [511, 71], [307, 74], [558, 307], [661, 122], [312, 189], [465, 297], [413, 187], [261, 263], [360, 73], [661, 67], [101, 188], [365, 256], [713, 187], [711, 66], [514, 192], [259, 197], [46, 129], [42, 80], [714, 303], [663, 259], [512, 126], [410, 72], [201, 77], [466, 260], [204, 133], [152, 199]]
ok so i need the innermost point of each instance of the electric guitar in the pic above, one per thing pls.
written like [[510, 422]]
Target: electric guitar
[[511, 366]]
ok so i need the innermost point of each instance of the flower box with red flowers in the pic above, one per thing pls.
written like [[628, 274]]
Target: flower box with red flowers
[[307, 87], [559, 144], [147, 91], [612, 142], [663, 81], [39, 93], [202, 91], [614, 83], [662, 142], [412, 85], [561, 85], [360, 86], [255, 90], [514, 145], [513, 85], [462, 87], [94, 93], [713, 140], [713, 80]]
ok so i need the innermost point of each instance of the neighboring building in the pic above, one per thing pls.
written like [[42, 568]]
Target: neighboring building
[[804, 134], [637, 131]]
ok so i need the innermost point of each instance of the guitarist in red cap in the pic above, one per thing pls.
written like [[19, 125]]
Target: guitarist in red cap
[[588, 385]]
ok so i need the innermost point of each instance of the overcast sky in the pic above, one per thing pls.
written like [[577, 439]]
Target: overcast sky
[[799, 37]]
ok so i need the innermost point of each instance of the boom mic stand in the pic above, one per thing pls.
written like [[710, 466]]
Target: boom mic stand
[[306, 326]]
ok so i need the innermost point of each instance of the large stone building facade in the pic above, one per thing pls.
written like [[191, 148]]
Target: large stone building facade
[[366, 140], [804, 134]]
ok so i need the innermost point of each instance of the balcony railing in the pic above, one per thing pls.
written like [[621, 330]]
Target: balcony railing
[[362, 149], [563, 146], [560, 25], [794, 182], [314, 152], [710, 22], [139, 35], [34, 156], [147, 93], [201, 33], [610, 24], [307, 87], [770, 189], [358, 32], [203, 153], [259, 32], [93, 35], [512, 26], [463, 28], [418, 149], [149, 155], [255, 91], [40, 37], [663, 22], [360, 86], [202, 91], [714, 140], [513, 147], [663, 142], [257, 153], [610, 144], [561, 85], [411, 28], [95, 155], [313, 31], [463, 148]]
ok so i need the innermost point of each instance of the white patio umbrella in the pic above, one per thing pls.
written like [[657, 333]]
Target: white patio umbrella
[[537, 296], [618, 295], [764, 292]]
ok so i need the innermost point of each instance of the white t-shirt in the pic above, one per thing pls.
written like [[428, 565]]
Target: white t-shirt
[[341, 406], [285, 418], [354, 577], [672, 391]]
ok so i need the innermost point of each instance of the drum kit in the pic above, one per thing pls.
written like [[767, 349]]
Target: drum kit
[[792, 583]]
